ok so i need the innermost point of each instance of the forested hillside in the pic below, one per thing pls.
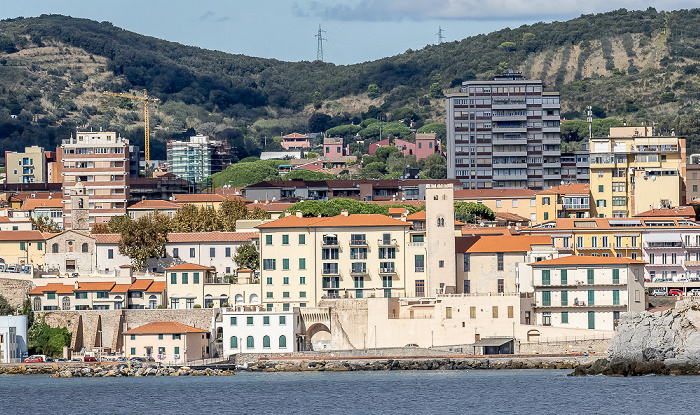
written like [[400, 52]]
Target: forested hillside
[[636, 65]]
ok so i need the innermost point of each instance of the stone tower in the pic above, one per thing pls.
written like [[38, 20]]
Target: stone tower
[[80, 212], [440, 239]]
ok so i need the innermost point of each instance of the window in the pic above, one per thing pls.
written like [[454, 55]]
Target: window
[[616, 297], [579, 242], [472, 312], [302, 239], [285, 239], [212, 252], [494, 311], [467, 259], [302, 263], [266, 320], [285, 263], [250, 343], [160, 337], [420, 288], [302, 280], [228, 252], [420, 263], [605, 241], [268, 280], [546, 215], [283, 342], [193, 252], [515, 203], [302, 294], [441, 264], [591, 297], [467, 287], [234, 342], [546, 298], [21, 245], [448, 312], [500, 261], [269, 294], [564, 277], [234, 321], [387, 281], [249, 321], [51, 296], [591, 320], [110, 254], [177, 337], [545, 201], [500, 285], [510, 311], [591, 279], [285, 307], [133, 351], [545, 277], [269, 264], [176, 253], [616, 276], [283, 320], [268, 239], [565, 317], [594, 241], [358, 239], [195, 277], [285, 294], [173, 278], [184, 278], [285, 280], [358, 253]]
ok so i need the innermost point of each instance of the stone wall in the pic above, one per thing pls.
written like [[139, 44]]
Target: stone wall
[[15, 290], [598, 347]]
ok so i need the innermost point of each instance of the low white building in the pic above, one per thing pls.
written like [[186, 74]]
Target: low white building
[[13, 338], [250, 329]]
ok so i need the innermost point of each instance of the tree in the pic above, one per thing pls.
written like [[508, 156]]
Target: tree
[[118, 223], [247, 256], [45, 224], [144, 238], [507, 46], [246, 173], [434, 167], [470, 212], [317, 100], [311, 155], [303, 174], [436, 86], [373, 91], [319, 122], [5, 308], [47, 340], [229, 212], [258, 214], [100, 228], [435, 127]]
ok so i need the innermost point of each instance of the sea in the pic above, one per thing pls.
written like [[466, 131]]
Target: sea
[[381, 392]]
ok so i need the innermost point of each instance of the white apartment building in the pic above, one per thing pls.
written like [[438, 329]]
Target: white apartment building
[[250, 329], [13, 338]]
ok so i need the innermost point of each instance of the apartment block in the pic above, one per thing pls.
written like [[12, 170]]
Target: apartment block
[[692, 192], [198, 158], [252, 329], [587, 292], [504, 133], [570, 200], [104, 295], [99, 161], [633, 170], [27, 167]]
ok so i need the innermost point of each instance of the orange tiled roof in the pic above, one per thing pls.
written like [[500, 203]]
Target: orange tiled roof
[[157, 287], [33, 203], [188, 266], [120, 288], [568, 189], [164, 327], [154, 204], [107, 238], [592, 224], [293, 221], [212, 237], [141, 285], [48, 235], [420, 215], [53, 287], [295, 135], [10, 236], [679, 211], [587, 260], [485, 230], [396, 211], [499, 243], [511, 217], [95, 286], [493, 193]]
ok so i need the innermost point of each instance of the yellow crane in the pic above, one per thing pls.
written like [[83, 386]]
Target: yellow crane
[[146, 100]]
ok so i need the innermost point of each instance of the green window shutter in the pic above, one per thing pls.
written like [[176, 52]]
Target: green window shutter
[[283, 341], [195, 277], [177, 350], [302, 263], [39, 246], [234, 342], [616, 297], [591, 297], [173, 278], [250, 343], [302, 239], [185, 279], [285, 239], [133, 337], [616, 276], [591, 279], [268, 239], [564, 317], [564, 298], [546, 298], [266, 341], [285, 263], [564, 277], [21, 246], [133, 351], [591, 320], [545, 277]]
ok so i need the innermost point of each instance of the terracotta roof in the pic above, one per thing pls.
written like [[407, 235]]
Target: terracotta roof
[[188, 266], [157, 287], [33, 203], [198, 197], [53, 287], [141, 285], [5, 219], [164, 327], [680, 211], [511, 217], [485, 230], [212, 237], [21, 236], [154, 204], [293, 221], [396, 211], [584, 224], [107, 238], [587, 260], [95, 286], [120, 288], [493, 193], [48, 235], [295, 135], [420, 215], [568, 189], [499, 243]]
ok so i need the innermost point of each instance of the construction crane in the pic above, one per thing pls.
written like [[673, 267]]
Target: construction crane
[[146, 100]]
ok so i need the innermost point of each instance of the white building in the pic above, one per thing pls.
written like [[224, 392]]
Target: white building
[[13, 338], [249, 329]]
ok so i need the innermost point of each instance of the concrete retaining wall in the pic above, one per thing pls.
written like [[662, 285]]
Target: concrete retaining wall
[[598, 347]]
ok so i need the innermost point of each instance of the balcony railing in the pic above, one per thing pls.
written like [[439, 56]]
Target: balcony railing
[[387, 270], [387, 242], [576, 206]]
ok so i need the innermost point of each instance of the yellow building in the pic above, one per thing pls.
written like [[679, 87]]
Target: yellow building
[[633, 171], [167, 341], [571, 200], [22, 248], [521, 202]]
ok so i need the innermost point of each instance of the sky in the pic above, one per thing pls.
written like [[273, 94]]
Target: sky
[[354, 30]]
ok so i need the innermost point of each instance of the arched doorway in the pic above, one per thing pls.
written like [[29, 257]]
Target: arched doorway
[[37, 304], [318, 337], [152, 302], [533, 335]]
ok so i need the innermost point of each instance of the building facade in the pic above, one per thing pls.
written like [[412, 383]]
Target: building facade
[[70, 251], [504, 133], [167, 341], [27, 167], [198, 158], [252, 329], [13, 338]]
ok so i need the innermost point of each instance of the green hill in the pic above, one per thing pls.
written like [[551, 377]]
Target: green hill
[[636, 65]]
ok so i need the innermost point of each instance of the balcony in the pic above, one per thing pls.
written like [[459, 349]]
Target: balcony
[[387, 242], [415, 244], [577, 206], [358, 242], [387, 271], [331, 243], [330, 270]]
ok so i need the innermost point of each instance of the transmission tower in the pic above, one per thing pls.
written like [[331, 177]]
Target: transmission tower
[[439, 35], [319, 49]]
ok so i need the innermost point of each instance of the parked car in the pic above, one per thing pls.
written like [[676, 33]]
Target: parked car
[[25, 269], [74, 275], [136, 359], [34, 359], [694, 291], [121, 359], [411, 345], [75, 359], [61, 359], [89, 359], [2, 267], [647, 279], [658, 292], [658, 279], [675, 291], [12, 268], [48, 359]]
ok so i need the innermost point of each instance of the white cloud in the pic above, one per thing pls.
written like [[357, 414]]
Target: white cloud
[[418, 10]]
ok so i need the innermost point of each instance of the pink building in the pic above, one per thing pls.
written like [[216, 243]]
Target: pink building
[[295, 140], [425, 145]]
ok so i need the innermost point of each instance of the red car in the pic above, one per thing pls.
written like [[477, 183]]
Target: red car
[[34, 359], [675, 291], [89, 359]]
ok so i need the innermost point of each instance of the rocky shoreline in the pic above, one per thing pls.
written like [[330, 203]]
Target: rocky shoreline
[[120, 370]]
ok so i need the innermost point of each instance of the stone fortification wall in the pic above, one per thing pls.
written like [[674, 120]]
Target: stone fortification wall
[[598, 347], [348, 323], [15, 290]]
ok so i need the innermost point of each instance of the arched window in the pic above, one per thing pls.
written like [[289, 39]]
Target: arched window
[[80, 203], [85, 248], [54, 248], [254, 299], [435, 197], [239, 298], [234, 342], [250, 343], [283, 342], [65, 305], [37, 304], [266, 341], [441, 222]]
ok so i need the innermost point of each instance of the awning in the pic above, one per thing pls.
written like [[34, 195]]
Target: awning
[[662, 237], [493, 341]]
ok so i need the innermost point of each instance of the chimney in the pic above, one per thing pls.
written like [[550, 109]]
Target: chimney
[[344, 212], [287, 213], [299, 214], [76, 284]]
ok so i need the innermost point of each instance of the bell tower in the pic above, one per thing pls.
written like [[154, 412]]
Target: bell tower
[[80, 212]]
